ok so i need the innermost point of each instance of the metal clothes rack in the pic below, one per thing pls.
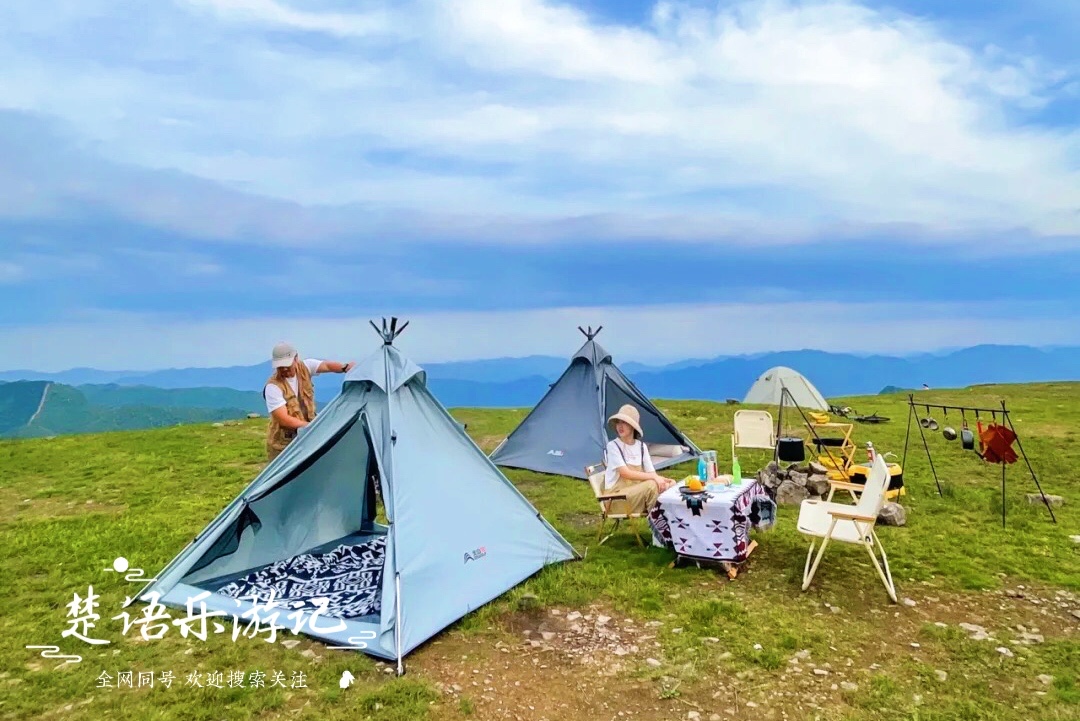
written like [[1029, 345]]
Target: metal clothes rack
[[1006, 419]]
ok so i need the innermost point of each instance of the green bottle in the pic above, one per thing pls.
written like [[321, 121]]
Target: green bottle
[[736, 471]]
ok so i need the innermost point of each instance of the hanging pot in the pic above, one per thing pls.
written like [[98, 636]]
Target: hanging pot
[[967, 437], [790, 450], [949, 432]]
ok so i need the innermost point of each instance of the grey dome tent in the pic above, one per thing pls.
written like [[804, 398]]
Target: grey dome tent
[[458, 533], [768, 389], [567, 430]]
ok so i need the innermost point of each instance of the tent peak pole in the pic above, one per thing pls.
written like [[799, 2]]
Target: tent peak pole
[[389, 332]]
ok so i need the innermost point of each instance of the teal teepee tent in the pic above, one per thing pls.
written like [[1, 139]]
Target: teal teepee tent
[[458, 534]]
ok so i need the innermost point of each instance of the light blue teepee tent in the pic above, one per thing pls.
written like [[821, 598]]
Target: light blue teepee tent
[[458, 533]]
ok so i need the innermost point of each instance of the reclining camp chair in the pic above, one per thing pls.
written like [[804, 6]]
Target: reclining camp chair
[[753, 429], [831, 521], [595, 474]]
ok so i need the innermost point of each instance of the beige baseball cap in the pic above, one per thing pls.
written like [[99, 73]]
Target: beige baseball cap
[[283, 356]]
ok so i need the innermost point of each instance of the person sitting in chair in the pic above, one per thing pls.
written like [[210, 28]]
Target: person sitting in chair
[[629, 468]]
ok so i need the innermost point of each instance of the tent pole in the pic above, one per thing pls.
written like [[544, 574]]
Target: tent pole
[[1003, 494], [907, 432], [779, 424], [930, 458], [392, 513]]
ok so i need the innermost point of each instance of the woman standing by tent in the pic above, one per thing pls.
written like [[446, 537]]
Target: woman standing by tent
[[629, 468], [290, 395]]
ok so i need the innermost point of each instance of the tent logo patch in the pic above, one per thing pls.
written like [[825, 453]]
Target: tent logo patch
[[555, 453], [475, 555]]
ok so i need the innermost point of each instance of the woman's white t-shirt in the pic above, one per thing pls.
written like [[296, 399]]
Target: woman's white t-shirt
[[631, 455], [275, 398]]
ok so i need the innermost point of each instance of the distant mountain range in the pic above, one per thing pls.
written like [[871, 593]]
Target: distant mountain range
[[521, 382], [44, 408]]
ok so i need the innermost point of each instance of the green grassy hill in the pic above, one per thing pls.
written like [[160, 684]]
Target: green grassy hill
[[19, 401], [114, 396], [72, 504], [66, 409]]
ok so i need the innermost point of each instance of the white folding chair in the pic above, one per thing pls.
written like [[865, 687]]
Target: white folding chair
[[595, 473], [753, 429], [831, 521]]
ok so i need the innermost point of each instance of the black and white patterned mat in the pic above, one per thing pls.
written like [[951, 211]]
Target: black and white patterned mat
[[349, 577]]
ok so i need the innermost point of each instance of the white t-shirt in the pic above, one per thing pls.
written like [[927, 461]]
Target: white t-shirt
[[275, 398], [629, 455]]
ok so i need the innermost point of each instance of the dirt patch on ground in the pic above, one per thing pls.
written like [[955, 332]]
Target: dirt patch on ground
[[570, 664], [488, 443], [13, 508], [549, 664], [580, 520]]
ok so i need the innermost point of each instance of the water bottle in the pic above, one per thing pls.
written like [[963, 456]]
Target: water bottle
[[870, 452], [736, 472], [702, 471]]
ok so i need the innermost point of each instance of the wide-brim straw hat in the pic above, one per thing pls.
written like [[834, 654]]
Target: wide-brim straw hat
[[630, 415]]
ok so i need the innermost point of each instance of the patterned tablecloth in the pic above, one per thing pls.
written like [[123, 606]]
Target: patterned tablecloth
[[714, 526]]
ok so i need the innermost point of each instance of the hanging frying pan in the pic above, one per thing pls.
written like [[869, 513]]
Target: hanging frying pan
[[948, 431], [967, 438]]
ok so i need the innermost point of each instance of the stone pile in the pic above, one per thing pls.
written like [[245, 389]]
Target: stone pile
[[796, 483]]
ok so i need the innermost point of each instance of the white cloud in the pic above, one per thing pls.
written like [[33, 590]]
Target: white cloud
[[556, 41], [122, 341], [751, 117], [278, 14]]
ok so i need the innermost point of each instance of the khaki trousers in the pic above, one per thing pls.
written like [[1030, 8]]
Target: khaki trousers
[[640, 495]]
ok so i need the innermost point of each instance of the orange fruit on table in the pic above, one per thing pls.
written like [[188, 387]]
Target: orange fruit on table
[[696, 485]]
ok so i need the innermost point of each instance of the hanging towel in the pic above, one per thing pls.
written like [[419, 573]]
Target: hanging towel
[[997, 443]]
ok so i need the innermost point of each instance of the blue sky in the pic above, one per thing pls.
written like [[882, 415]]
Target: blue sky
[[188, 181]]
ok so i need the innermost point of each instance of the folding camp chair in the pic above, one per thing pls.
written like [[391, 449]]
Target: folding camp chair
[[753, 429], [595, 473], [848, 523]]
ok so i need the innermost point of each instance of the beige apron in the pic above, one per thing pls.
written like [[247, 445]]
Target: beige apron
[[640, 495]]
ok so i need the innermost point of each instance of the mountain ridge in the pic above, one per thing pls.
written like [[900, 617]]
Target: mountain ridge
[[517, 382]]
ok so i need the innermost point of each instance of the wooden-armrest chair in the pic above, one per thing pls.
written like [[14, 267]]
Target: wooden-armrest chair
[[595, 474], [847, 523]]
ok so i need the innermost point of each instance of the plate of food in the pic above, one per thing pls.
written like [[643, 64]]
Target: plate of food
[[692, 486]]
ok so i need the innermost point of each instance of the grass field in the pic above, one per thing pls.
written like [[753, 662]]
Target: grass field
[[756, 647]]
